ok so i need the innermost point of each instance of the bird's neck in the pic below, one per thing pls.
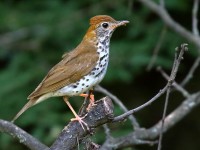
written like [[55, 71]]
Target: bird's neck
[[90, 36], [102, 41]]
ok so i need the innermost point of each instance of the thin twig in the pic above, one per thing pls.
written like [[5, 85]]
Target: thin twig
[[125, 115], [194, 18], [163, 118], [107, 131], [191, 72], [175, 84], [78, 143], [171, 80], [118, 102], [183, 48]]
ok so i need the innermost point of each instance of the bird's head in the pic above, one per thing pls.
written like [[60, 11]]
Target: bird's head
[[102, 26]]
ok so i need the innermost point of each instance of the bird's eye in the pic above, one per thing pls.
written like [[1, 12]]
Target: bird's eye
[[105, 25]]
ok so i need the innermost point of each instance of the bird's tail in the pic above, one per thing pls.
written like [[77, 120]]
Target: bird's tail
[[30, 103]]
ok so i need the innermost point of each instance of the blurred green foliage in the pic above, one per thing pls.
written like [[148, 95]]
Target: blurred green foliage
[[34, 34]]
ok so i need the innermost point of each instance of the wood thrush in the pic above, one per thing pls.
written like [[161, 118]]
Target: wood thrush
[[81, 69]]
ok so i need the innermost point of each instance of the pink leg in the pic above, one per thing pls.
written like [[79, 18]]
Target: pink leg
[[77, 118], [92, 100]]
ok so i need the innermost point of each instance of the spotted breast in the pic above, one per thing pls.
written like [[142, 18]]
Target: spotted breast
[[97, 73]]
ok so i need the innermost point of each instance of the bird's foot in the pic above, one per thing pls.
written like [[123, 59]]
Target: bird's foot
[[80, 120], [91, 98], [91, 104], [77, 118]]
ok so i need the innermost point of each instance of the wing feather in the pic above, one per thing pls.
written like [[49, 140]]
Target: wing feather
[[72, 68]]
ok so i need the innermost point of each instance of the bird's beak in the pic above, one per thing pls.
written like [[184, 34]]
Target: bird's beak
[[120, 23]]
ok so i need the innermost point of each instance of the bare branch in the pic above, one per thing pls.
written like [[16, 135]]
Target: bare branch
[[173, 74], [171, 23], [194, 18], [175, 67], [179, 113], [21, 135], [125, 115], [191, 72], [163, 117], [172, 119], [118, 102], [175, 84]]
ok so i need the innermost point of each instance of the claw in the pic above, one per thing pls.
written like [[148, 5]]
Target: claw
[[82, 123]]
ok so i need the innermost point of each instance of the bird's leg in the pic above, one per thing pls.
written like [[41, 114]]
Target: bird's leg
[[77, 118], [91, 98]]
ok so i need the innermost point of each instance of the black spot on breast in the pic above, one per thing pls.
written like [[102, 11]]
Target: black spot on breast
[[74, 86], [87, 85], [83, 84], [103, 42], [102, 57], [87, 79], [100, 72]]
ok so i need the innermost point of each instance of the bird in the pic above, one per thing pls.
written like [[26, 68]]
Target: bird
[[80, 69]]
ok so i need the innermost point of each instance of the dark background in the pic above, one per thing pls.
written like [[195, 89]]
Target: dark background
[[33, 36]]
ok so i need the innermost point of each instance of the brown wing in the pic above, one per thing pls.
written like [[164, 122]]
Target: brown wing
[[73, 67]]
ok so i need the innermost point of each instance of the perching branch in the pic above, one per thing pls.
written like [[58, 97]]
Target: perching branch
[[73, 133]]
